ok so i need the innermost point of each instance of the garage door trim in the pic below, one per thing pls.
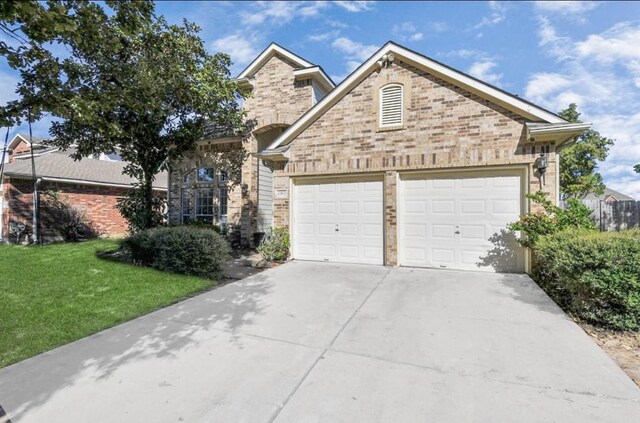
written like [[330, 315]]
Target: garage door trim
[[519, 170], [336, 178]]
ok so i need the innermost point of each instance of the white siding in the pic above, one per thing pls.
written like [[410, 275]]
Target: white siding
[[265, 197]]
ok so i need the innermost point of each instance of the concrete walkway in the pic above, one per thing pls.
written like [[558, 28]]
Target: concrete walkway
[[317, 342]]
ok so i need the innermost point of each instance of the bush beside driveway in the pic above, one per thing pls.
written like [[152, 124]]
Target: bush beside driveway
[[55, 294]]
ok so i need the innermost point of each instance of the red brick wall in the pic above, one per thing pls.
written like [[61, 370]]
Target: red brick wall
[[22, 147], [99, 204]]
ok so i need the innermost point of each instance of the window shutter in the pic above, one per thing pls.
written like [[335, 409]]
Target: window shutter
[[391, 105]]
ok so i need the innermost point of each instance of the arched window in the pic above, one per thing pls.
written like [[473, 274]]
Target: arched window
[[391, 105]]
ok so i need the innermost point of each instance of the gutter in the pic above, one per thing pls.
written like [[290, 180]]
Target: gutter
[[82, 182]]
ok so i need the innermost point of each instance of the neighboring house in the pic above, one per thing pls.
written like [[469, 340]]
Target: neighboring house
[[93, 185], [406, 162], [609, 196]]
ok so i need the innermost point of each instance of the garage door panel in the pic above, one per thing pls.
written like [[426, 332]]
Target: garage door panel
[[355, 209], [473, 207], [442, 206], [460, 215], [440, 184], [505, 206], [443, 255], [442, 231], [324, 229], [474, 232]]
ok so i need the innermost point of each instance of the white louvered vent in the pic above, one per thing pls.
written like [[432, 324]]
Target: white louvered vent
[[391, 107]]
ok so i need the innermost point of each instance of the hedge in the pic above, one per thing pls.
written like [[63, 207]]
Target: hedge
[[190, 250], [593, 275]]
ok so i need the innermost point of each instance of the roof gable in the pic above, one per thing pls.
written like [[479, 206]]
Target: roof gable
[[267, 54], [473, 85]]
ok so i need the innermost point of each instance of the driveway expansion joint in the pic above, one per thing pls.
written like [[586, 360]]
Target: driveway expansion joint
[[321, 356]]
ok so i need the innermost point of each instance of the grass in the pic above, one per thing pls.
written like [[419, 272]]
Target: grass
[[52, 295]]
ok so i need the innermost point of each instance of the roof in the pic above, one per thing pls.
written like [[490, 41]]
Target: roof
[[58, 166], [496, 95], [269, 52], [304, 67], [608, 192], [25, 137]]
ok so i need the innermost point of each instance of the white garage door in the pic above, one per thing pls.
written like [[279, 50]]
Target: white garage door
[[338, 221], [459, 222]]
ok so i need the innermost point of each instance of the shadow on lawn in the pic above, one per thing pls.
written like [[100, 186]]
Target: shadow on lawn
[[164, 333]]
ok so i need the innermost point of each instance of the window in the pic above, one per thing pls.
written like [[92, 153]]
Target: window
[[205, 174], [223, 201], [391, 106], [186, 205], [204, 205]]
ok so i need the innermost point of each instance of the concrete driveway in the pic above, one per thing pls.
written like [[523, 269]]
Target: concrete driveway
[[317, 342]]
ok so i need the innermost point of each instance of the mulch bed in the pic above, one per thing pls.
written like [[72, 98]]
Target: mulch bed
[[622, 347]]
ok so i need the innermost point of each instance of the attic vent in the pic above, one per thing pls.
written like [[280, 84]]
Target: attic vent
[[391, 105]]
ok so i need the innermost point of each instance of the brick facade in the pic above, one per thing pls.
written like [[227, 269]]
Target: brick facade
[[277, 101], [445, 127], [98, 202]]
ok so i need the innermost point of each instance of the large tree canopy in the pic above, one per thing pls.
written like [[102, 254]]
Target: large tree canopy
[[129, 82], [579, 161]]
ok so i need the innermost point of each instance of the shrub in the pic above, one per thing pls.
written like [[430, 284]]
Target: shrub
[[551, 219], [190, 250], [275, 245], [593, 275], [132, 207], [65, 220]]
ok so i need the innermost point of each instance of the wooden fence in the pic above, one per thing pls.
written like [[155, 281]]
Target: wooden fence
[[614, 216]]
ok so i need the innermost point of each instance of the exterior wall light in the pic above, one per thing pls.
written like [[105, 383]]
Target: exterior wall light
[[542, 163]]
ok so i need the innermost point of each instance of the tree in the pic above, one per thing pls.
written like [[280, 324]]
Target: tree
[[636, 168], [131, 84], [579, 161]]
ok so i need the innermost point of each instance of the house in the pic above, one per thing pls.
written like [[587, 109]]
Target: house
[[609, 195], [92, 185], [406, 162]]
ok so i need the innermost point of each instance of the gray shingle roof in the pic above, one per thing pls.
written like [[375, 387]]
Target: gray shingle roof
[[608, 191], [58, 164]]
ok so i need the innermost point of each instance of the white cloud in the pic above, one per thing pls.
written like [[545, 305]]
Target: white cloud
[[278, 13], [354, 6], [407, 31], [553, 44], [565, 7], [601, 74], [437, 26], [355, 54], [353, 49], [323, 36], [498, 13], [621, 42], [241, 49], [483, 70]]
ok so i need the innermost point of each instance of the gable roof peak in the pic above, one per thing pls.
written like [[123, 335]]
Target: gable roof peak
[[271, 50]]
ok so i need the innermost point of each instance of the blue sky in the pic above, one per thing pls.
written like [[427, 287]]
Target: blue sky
[[552, 53]]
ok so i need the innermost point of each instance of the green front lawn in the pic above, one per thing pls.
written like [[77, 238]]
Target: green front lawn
[[55, 294]]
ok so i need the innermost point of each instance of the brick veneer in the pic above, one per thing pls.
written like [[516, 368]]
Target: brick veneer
[[98, 202], [277, 100], [445, 127]]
